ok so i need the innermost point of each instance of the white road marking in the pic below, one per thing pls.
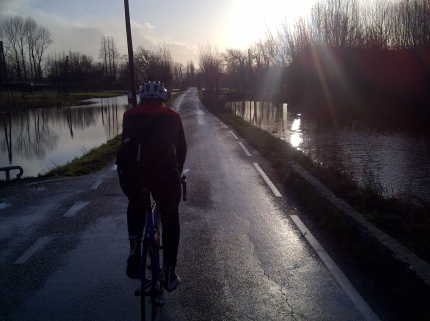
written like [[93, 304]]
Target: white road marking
[[244, 149], [96, 184], [267, 180], [224, 125], [39, 244], [233, 134], [113, 168], [4, 205], [336, 271], [48, 181], [179, 103], [75, 208]]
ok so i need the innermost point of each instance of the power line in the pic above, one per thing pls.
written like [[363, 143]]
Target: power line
[[37, 5]]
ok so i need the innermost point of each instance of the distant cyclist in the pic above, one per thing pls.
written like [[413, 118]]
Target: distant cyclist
[[152, 158]]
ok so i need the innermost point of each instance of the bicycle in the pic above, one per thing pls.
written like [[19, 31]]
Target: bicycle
[[149, 285]]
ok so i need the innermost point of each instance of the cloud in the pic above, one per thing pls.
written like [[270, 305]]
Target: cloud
[[142, 34], [84, 35], [9, 8], [182, 52]]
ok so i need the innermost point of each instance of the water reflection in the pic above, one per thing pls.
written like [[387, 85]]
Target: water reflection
[[296, 137], [39, 139], [273, 118], [399, 160]]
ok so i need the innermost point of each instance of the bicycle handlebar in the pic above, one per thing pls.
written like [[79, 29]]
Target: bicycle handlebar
[[184, 187]]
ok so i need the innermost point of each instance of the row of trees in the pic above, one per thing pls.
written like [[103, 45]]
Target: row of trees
[[109, 55], [335, 23], [25, 44], [380, 25]]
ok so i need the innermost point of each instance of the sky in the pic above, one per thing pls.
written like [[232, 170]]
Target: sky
[[181, 26]]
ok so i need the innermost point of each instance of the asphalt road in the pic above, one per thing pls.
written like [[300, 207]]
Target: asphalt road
[[241, 255]]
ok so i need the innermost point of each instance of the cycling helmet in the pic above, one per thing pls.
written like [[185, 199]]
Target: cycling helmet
[[153, 90]]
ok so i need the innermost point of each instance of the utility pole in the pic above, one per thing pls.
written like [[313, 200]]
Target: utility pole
[[67, 76], [3, 71], [250, 74], [130, 53]]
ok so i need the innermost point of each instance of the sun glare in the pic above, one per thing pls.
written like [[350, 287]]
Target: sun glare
[[296, 138], [249, 22]]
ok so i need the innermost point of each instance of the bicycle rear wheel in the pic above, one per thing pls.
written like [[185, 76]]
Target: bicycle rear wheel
[[151, 292]]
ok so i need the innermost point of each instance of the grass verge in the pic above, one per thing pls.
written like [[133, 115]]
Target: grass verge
[[91, 162], [17, 99]]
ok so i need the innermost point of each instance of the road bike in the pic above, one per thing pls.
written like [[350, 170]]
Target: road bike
[[150, 285]]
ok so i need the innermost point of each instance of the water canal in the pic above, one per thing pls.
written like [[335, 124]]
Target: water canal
[[38, 139], [398, 159]]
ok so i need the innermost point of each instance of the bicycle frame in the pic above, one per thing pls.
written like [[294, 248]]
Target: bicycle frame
[[152, 288]]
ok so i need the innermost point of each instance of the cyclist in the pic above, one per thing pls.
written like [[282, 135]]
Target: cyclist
[[160, 149]]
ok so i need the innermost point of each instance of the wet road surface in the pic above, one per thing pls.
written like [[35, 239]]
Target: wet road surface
[[241, 256]]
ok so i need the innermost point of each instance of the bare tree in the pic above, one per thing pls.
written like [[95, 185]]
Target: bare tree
[[30, 26], [190, 73], [154, 64], [11, 28], [26, 43], [109, 55], [113, 56], [377, 31], [235, 61], [104, 53], [210, 62], [411, 24], [21, 37], [43, 41]]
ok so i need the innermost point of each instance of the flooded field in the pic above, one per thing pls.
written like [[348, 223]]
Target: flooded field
[[399, 160], [39, 139]]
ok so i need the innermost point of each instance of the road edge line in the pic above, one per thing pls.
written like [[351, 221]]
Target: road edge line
[[245, 150], [340, 277], [267, 180]]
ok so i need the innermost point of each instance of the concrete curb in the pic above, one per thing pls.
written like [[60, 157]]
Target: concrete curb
[[405, 258]]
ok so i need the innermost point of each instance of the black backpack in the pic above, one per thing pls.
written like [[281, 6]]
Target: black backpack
[[132, 166]]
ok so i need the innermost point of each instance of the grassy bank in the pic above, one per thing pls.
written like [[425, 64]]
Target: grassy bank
[[404, 217], [91, 162], [17, 99]]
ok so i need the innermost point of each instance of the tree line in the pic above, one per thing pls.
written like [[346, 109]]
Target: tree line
[[25, 45], [380, 25]]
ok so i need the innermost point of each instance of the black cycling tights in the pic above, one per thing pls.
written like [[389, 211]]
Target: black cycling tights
[[166, 191]]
